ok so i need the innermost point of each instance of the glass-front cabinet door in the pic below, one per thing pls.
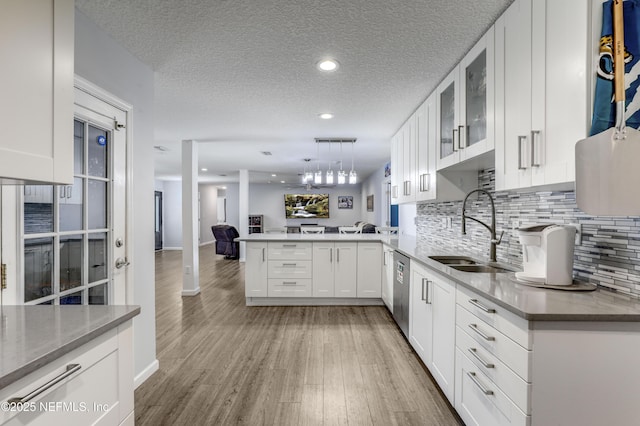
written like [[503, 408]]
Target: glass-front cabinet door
[[447, 111], [476, 127]]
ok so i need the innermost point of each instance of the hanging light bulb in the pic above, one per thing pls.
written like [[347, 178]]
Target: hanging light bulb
[[353, 176], [307, 177], [318, 176], [329, 172], [341, 174]]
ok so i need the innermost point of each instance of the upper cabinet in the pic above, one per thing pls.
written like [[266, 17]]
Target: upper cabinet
[[542, 83], [465, 104], [36, 82]]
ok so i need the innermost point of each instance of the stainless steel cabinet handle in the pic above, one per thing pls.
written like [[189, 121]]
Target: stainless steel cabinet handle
[[474, 352], [453, 140], [71, 368], [424, 182], [289, 245], [263, 250], [407, 187], [289, 264], [533, 147], [384, 258], [289, 282], [394, 191], [477, 304], [520, 139], [460, 133], [337, 254], [427, 300], [422, 288], [475, 328], [475, 380], [331, 255]]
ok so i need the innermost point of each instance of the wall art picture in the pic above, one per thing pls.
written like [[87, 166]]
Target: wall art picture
[[345, 201]]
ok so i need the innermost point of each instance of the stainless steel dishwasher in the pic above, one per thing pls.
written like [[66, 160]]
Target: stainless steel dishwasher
[[401, 292]]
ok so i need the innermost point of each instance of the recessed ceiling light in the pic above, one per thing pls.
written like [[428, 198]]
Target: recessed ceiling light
[[281, 181], [204, 169], [328, 65], [273, 175], [326, 115]]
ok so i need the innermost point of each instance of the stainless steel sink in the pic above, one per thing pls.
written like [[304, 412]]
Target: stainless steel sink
[[479, 268], [454, 260]]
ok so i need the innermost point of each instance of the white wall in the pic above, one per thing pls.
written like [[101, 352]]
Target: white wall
[[268, 200], [373, 186], [100, 60], [208, 211], [233, 204], [172, 198]]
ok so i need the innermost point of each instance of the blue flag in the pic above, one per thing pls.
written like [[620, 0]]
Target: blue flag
[[604, 111]]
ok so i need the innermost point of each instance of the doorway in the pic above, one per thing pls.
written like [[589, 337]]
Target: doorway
[[158, 220]]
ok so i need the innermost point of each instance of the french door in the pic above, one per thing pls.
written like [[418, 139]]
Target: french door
[[73, 237]]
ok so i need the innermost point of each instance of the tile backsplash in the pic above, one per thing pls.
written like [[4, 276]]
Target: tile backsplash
[[608, 255]]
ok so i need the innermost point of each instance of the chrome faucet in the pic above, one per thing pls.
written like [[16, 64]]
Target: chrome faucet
[[492, 228]]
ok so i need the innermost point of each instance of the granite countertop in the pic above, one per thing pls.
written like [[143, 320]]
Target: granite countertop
[[33, 336], [530, 303]]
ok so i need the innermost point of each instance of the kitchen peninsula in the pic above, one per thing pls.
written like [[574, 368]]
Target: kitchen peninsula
[[502, 352]]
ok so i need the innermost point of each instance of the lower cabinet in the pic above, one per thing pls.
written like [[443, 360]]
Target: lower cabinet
[[369, 275], [92, 384], [387, 277], [334, 269], [255, 271], [432, 325]]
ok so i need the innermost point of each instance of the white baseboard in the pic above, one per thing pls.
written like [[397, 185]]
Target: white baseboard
[[194, 292], [312, 301], [171, 248], [146, 373]]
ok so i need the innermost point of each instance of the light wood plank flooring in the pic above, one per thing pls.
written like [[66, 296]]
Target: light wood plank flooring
[[223, 363]]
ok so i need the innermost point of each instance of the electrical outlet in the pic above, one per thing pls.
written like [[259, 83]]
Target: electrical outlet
[[578, 227]]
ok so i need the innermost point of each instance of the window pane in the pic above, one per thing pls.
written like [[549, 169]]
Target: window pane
[[71, 201], [38, 268], [97, 204], [98, 295], [97, 256], [38, 209], [70, 261], [78, 147], [98, 142], [72, 299], [447, 120]]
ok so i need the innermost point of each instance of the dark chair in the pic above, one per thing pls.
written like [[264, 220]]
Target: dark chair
[[224, 236]]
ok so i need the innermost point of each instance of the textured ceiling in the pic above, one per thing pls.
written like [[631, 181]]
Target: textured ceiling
[[240, 74]]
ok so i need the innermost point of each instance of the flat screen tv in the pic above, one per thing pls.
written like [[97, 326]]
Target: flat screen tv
[[306, 206]]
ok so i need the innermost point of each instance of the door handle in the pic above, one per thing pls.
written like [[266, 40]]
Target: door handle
[[520, 139], [70, 369], [533, 147], [122, 261], [453, 140], [460, 133]]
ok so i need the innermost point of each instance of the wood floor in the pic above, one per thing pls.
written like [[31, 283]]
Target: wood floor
[[223, 363]]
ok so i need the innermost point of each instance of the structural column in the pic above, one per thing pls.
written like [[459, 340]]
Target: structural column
[[243, 209], [190, 231]]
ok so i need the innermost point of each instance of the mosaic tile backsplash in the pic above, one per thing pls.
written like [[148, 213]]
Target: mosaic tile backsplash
[[608, 255]]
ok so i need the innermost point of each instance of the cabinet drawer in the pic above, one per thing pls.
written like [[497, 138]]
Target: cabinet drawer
[[509, 352], [480, 402], [290, 251], [289, 287], [290, 269], [509, 382], [95, 382], [506, 322]]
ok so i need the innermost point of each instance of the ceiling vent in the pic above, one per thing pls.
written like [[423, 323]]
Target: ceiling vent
[[336, 140], [160, 148], [265, 153]]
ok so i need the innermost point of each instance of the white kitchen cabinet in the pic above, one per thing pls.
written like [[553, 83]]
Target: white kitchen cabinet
[[335, 269], [369, 273], [432, 325], [255, 271], [542, 101], [396, 177], [36, 82], [387, 276], [425, 150], [465, 104], [95, 386]]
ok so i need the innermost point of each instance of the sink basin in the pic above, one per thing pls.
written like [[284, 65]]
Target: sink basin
[[454, 260], [479, 268]]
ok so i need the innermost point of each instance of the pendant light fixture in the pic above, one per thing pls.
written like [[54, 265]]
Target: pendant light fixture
[[329, 172], [318, 175], [341, 174], [353, 177], [307, 177]]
